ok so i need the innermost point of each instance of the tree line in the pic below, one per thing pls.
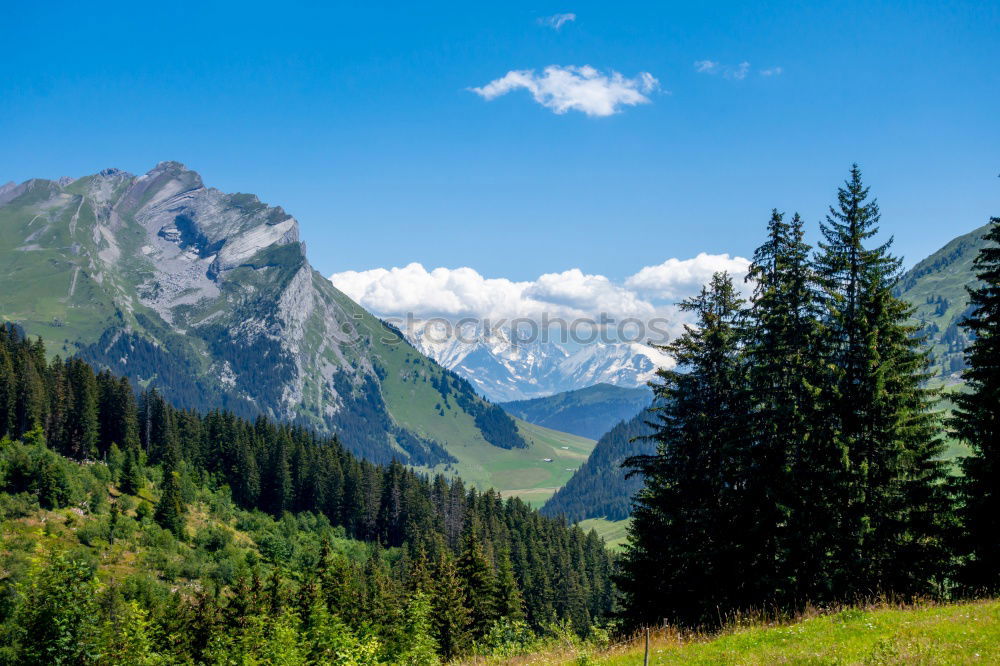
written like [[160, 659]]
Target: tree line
[[475, 558], [798, 447]]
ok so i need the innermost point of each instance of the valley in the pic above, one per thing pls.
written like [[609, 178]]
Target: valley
[[497, 334]]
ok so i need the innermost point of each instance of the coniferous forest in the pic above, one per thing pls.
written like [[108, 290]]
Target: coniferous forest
[[376, 562], [799, 448], [798, 462]]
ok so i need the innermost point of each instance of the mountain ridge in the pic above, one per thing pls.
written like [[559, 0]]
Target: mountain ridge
[[158, 275], [504, 368], [588, 412], [936, 287]]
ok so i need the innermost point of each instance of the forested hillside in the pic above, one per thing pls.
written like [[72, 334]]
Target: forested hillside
[[588, 412], [135, 527], [600, 488]]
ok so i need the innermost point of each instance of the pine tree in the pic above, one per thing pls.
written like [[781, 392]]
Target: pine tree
[[792, 461], [976, 421], [478, 581], [449, 614], [170, 509], [131, 476], [683, 560], [890, 536], [508, 597]]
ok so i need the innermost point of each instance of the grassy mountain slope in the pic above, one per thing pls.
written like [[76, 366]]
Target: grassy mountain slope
[[936, 288], [614, 532], [588, 412], [210, 298], [523, 472]]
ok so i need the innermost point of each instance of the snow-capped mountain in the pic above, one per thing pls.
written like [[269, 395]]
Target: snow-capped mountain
[[503, 368]]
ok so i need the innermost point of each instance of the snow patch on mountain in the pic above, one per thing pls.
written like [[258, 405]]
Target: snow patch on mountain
[[504, 368]]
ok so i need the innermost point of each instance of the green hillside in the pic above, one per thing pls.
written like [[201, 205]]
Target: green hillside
[[211, 539], [600, 489], [588, 412], [614, 532], [523, 472], [936, 288]]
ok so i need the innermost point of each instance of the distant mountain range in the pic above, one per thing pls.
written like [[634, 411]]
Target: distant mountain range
[[209, 298], [588, 412], [503, 368]]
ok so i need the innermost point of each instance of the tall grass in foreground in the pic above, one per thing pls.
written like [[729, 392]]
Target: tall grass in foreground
[[955, 633]]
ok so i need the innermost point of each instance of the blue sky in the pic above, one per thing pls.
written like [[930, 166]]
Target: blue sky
[[360, 121]]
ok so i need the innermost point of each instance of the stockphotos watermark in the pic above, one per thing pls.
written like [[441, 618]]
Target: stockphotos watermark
[[520, 331]]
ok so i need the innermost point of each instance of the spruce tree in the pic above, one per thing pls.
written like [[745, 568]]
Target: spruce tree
[[792, 460], [879, 414], [170, 509], [279, 482], [131, 476], [7, 391], [30, 409], [508, 598], [418, 575], [449, 613], [478, 581], [683, 560], [245, 473], [82, 427], [976, 421]]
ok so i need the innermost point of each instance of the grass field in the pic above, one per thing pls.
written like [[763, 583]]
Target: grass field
[[967, 633], [523, 472], [520, 472], [612, 531]]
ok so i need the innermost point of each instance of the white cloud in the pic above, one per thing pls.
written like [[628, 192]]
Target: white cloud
[[706, 66], [463, 292], [740, 71], [679, 278], [556, 21], [575, 88]]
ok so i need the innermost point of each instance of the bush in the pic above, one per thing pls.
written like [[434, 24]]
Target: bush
[[144, 512], [92, 532], [274, 548], [32, 468], [213, 538], [17, 506], [508, 638]]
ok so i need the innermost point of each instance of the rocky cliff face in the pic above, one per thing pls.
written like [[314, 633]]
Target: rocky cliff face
[[209, 297]]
